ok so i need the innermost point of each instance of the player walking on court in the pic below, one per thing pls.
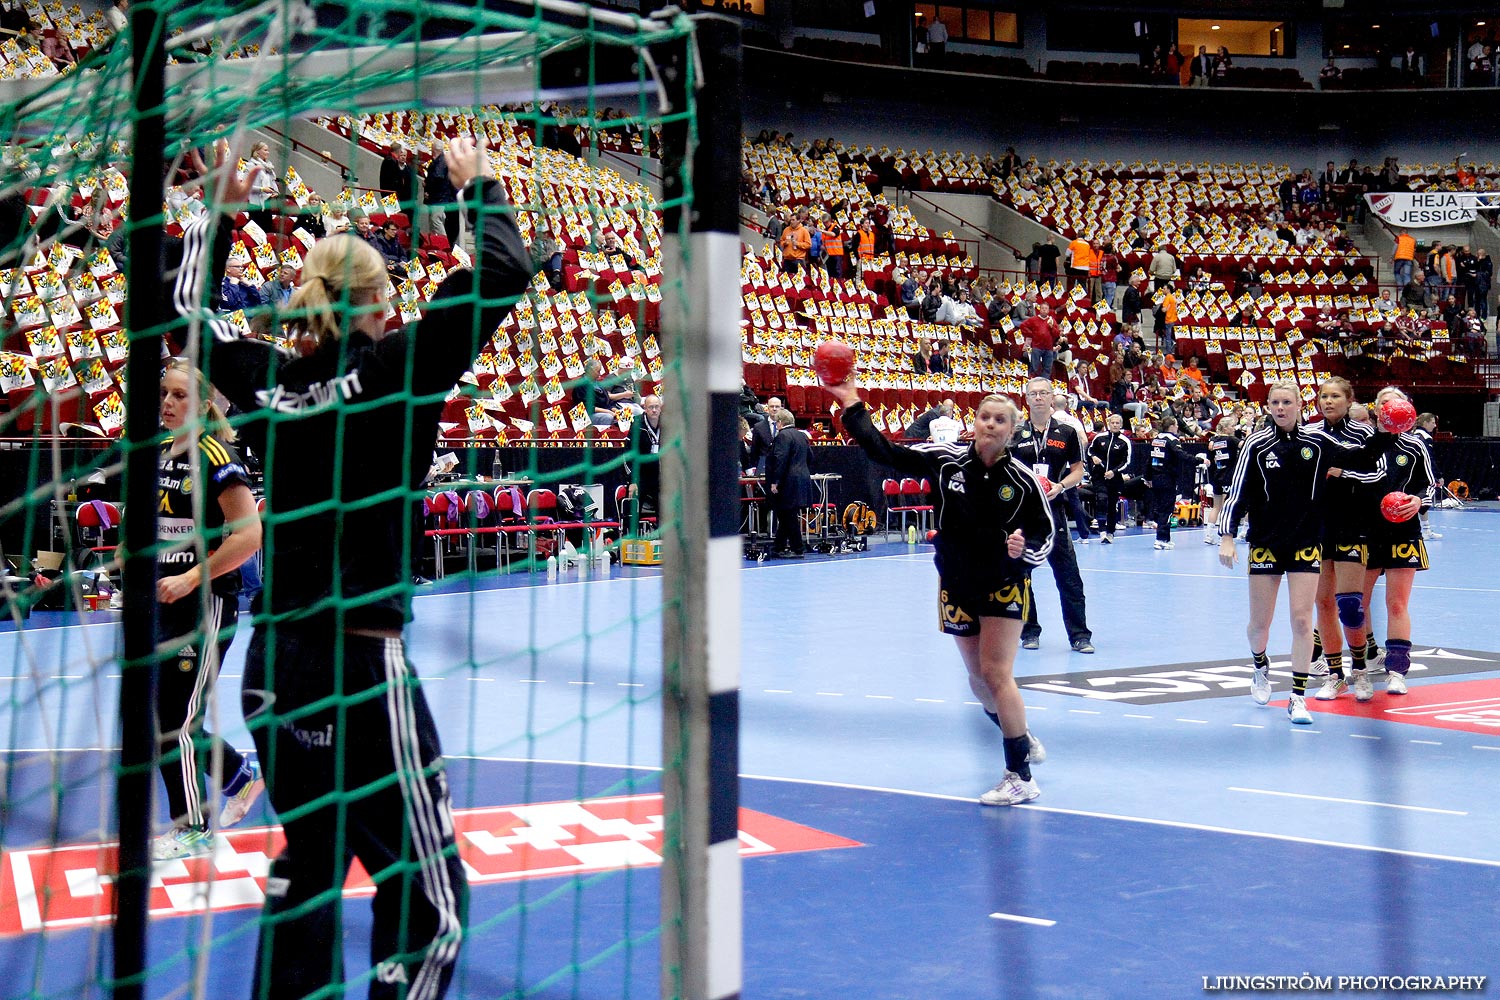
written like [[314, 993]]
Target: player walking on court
[[1223, 452], [1110, 458], [1394, 543], [1278, 485], [994, 526], [197, 644], [1340, 601], [349, 748]]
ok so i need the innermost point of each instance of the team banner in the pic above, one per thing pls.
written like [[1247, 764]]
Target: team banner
[[1419, 209]]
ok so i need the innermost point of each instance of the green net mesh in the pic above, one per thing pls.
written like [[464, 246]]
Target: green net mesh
[[546, 694]]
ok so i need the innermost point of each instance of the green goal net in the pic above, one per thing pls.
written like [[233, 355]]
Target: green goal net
[[459, 415]]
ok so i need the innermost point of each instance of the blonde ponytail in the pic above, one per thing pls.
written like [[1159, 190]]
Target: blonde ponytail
[[335, 270]]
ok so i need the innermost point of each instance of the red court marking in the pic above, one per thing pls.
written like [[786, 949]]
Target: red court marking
[[73, 886], [1468, 706]]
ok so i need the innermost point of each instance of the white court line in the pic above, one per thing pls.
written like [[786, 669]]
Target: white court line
[[1352, 802], [1083, 711], [1241, 578], [1177, 824], [1129, 716], [829, 694], [1245, 725], [929, 701], [882, 697], [1036, 921], [1430, 743], [1362, 736], [1478, 746], [1196, 722]]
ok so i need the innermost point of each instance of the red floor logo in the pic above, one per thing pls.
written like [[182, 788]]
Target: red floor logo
[[73, 886], [1468, 706]]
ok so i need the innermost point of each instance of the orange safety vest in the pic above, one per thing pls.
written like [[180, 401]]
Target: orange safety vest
[[833, 243], [866, 244], [1406, 247]]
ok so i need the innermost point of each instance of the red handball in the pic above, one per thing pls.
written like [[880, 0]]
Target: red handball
[[1046, 483], [1397, 416], [932, 536], [1390, 504], [834, 362]]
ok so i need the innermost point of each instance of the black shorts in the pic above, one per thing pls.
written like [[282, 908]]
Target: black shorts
[[1273, 561], [959, 611], [1344, 551], [1396, 553]]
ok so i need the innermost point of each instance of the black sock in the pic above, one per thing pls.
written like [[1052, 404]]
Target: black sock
[[1335, 663], [1016, 750], [1262, 661], [1357, 660], [1317, 644], [996, 720], [1299, 683], [1371, 649]]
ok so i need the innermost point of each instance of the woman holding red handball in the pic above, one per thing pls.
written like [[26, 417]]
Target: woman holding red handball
[[994, 526], [1393, 539]]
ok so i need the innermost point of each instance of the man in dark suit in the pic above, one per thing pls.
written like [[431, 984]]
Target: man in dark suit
[[789, 485], [645, 462]]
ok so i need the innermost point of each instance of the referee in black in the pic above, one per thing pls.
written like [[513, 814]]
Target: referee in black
[[346, 741], [1051, 448]]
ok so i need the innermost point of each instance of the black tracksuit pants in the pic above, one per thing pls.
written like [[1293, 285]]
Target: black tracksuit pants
[[375, 751], [184, 681]]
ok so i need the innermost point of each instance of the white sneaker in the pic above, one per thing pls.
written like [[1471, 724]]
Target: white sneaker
[[1158, 545], [1363, 689], [1395, 684], [1085, 541], [1318, 667], [1332, 688], [1260, 686], [1296, 710], [182, 842], [1011, 791], [1149, 525], [1209, 538], [1035, 753], [1169, 545], [1106, 539], [238, 805], [1429, 534], [1093, 524]]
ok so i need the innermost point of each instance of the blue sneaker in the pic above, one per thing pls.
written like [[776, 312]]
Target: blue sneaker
[[183, 842]]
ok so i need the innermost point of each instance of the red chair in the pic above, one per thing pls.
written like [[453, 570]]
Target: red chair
[[891, 490], [541, 511], [96, 518], [624, 503], [906, 497], [508, 508], [436, 241], [446, 509]]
